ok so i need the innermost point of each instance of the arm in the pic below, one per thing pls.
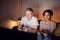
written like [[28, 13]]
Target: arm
[[34, 30], [40, 30], [35, 25], [20, 25], [51, 31], [53, 27], [19, 28]]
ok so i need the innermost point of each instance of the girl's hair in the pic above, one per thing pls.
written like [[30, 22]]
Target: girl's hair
[[49, 11]]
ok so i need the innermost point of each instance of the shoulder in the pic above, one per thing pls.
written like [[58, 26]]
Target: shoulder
[[24, 17], [53, 22], [33, 17], [42, 21]]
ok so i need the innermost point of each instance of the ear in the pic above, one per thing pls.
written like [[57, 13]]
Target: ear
[[32, 14], [51, 16], [25, 14]]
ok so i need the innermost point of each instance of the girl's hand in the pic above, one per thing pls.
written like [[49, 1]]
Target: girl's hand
[[38, 33], [45, 34]]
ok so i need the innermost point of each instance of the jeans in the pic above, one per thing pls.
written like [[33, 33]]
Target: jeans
[[41, 37]]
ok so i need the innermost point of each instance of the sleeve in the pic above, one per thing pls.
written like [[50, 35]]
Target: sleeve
[[41, 23], [22, 21], [54, 25], [36, 22]]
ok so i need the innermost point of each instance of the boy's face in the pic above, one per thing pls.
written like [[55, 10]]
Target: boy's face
[[29, 14]]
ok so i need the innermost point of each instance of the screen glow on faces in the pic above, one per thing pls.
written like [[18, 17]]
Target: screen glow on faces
[[47, 16], [29, 14]]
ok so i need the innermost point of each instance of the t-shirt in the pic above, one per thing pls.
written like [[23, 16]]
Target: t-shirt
[[30, 23], [48, 26]]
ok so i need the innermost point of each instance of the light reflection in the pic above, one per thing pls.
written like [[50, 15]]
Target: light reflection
[[9, 24]]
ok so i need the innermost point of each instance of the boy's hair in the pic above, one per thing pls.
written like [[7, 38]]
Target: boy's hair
[[30, 9]]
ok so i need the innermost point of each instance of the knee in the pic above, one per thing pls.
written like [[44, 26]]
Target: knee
[[47, 38], [39, 37]]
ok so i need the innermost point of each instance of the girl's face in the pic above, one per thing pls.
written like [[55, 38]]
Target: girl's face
[[47, 16]]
